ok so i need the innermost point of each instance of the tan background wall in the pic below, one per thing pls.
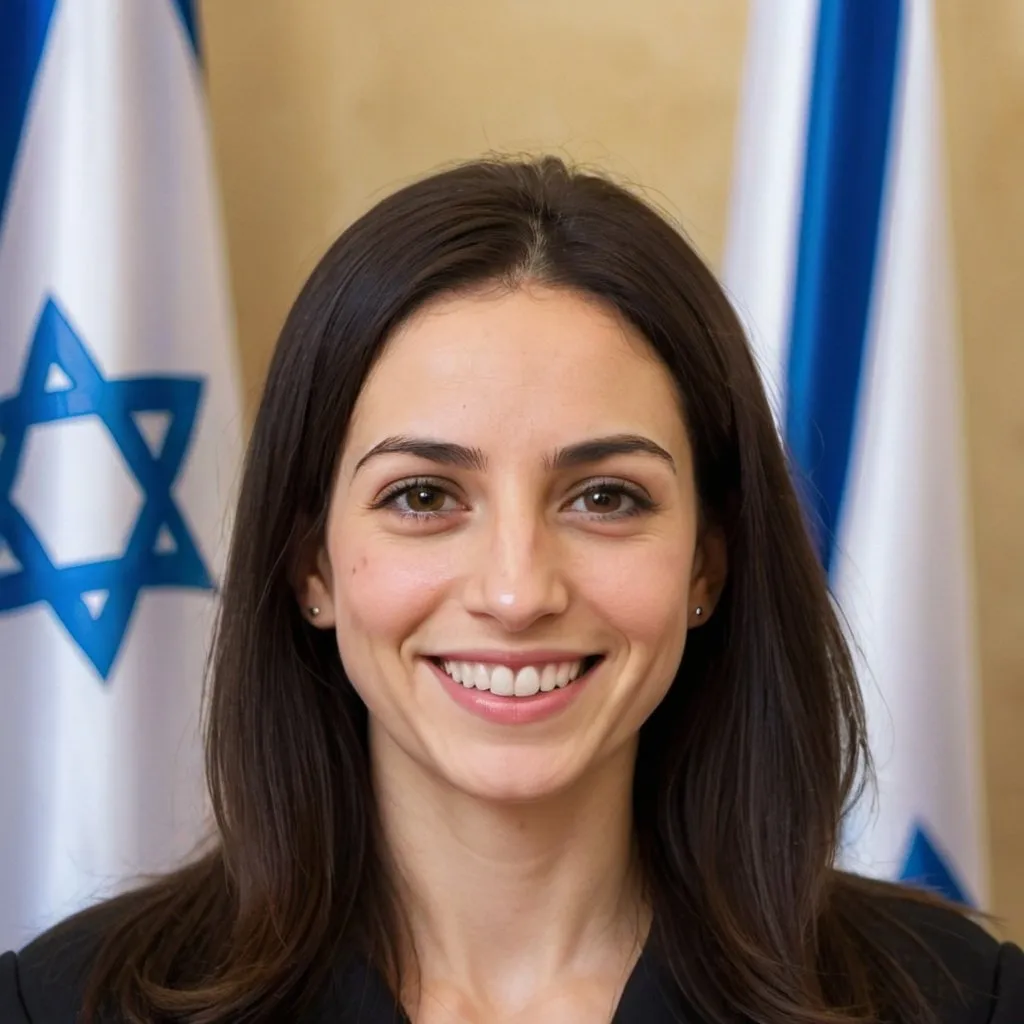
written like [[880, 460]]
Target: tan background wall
[[322, 106]]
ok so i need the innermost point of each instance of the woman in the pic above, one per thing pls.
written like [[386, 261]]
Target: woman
[[528, 702]]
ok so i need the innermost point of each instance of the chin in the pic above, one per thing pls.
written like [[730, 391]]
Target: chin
[[513, 776]]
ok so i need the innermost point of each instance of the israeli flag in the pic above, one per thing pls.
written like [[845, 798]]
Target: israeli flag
[[119, 443], [838, 260]]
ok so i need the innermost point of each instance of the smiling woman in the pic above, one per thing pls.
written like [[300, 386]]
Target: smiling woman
[[528, 702], [500, 563]]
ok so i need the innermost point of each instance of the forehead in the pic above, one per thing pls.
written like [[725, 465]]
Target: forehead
[[534, 365]]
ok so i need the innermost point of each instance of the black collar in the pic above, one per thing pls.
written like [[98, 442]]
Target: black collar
[[357, 994]]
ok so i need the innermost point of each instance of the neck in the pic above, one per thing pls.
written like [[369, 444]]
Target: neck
[[501, 898]]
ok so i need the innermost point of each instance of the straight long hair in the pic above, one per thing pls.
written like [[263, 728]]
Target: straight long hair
[[744, 771]]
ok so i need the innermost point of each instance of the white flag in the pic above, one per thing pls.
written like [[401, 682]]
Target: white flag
[[838, 260], [119, 441]]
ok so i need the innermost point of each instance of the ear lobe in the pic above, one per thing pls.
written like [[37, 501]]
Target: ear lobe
[[710, 569], [313, 586]]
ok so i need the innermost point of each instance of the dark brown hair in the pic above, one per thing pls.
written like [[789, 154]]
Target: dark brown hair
[[744, 771]]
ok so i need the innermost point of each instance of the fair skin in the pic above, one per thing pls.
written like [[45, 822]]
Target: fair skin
[[511, 830]]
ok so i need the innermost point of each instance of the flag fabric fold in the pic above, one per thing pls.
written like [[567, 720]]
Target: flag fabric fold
[[120, 433], [838, 260]]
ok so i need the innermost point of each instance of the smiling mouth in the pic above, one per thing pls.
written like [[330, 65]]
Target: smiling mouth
[[503, 681]]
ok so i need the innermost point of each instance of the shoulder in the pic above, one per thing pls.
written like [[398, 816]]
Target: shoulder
[[44, 982], [966, 975]]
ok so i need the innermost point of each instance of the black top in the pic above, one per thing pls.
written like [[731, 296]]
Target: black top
[[969, 978]]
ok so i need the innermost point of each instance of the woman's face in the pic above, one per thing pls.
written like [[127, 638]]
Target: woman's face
[[512, 556]]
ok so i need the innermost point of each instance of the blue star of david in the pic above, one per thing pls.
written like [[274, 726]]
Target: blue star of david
[[160, 551], [926, 867]]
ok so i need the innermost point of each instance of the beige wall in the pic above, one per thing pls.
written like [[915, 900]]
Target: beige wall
[[322, 106], [982, 50]]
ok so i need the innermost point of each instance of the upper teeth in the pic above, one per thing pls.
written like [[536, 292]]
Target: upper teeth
[[503, 681]]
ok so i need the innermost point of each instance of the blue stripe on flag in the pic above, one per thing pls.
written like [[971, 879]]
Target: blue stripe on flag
[[847, 155], [23, 29], [187, 12]]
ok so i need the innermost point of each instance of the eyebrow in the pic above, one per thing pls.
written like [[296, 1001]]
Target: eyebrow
[[447, 453]]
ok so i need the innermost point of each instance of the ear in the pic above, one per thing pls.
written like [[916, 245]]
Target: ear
[[312, 582], [710, 568]]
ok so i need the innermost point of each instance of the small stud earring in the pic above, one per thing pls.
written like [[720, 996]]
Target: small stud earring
[[698, 611], [314, 611]]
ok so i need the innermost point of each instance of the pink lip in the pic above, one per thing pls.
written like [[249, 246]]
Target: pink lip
[[510, 710], [515, 659]]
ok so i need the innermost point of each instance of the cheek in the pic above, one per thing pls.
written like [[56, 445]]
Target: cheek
[[642, 592], [382, 592]]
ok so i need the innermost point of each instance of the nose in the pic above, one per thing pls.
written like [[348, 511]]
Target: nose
[[517, 579]]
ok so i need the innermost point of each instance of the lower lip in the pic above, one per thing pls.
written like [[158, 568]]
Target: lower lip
[[511, 710]]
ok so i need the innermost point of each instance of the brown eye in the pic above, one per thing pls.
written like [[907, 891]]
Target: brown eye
[[425, 499], [602, 500], [420, 499], [609, 501]]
